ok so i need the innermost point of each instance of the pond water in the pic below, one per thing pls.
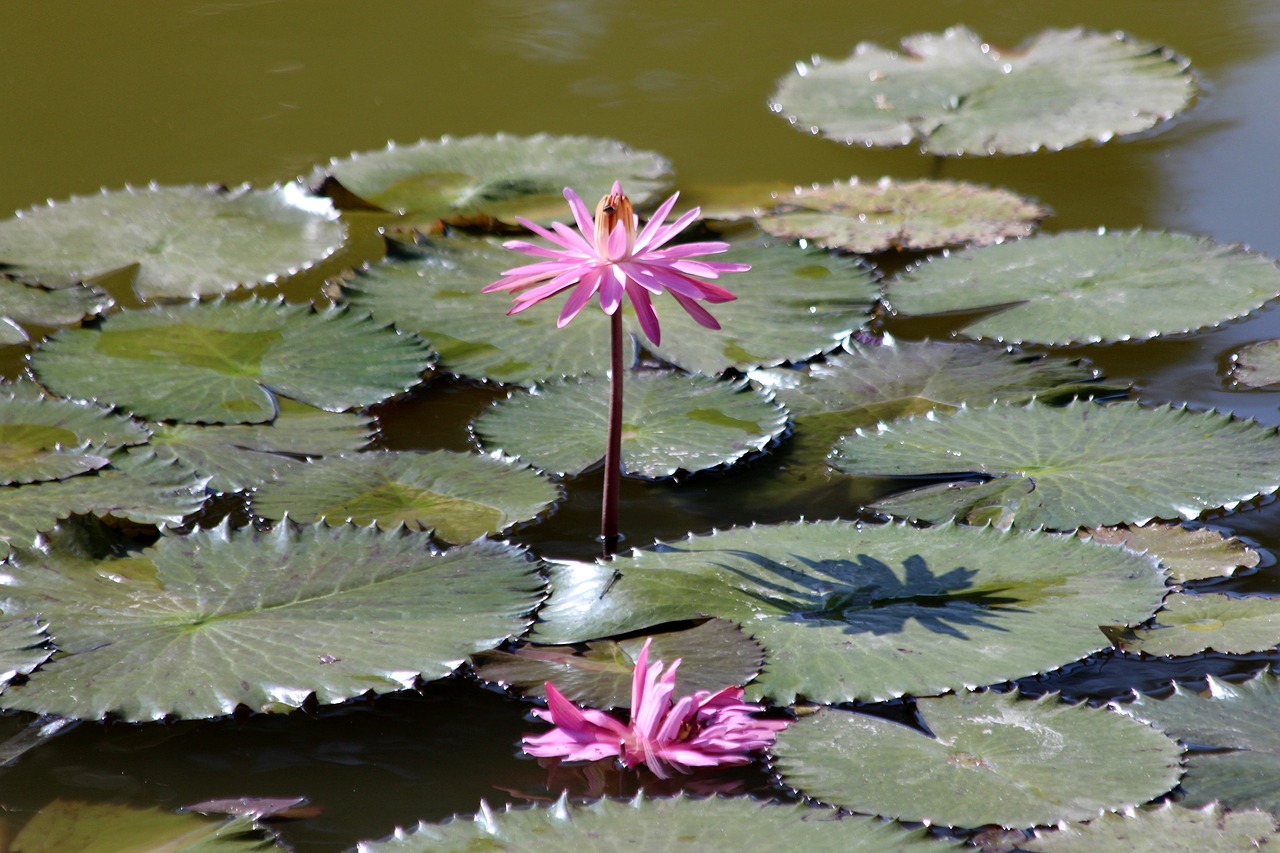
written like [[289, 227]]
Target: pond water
[[177, 92]]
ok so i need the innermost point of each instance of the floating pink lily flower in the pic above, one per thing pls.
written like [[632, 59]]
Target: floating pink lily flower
[[606, 256], [701, 730]]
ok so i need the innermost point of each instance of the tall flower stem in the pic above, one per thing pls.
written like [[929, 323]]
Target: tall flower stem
[[613, 443]]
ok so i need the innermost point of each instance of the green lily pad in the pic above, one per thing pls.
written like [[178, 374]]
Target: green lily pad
[[23, 647], [1188, 554], [244, 456], [458, 496], [1081, 465], [1166, 828], [224, 362], [992, 758], [954, 94], [1190, 624], [1239, 720], [185, 241], [714, 655], [1087, 286], [1256, 365], [46, 439], [671, 423], [847, 611], [888, 214], [673, 825], [500, 176], [21, 303], [64, 825], [136, 485], [198, 624]]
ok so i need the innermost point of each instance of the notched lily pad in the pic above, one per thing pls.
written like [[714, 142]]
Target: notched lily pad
[[23, 647], [501, 176], [1090, 286], [244, 456], [111, 827], [993, 759], [1188, 554], [1166, 828], [1256, 365], [671, 423], [954, 94], [677, 825], [42, 438], [887, 214], [458, 496], [1233, 727], [1080, 465], [1190, 624], [198, 624], [860, 612], [136, 485], [186, 241], [714, 655], [225, 362], [21, 304]]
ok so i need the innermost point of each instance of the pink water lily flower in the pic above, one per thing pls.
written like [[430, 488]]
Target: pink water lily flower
[[606, 256], [701, 730]]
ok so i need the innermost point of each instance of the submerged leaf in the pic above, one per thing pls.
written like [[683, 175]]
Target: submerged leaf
[[713, 655], [1238, 722], [501, 176], [874, 217], [992, 759], [224, 362], [186, 241], [1080, 465], [671, 423], [669, 825], [198, 624], [954, 94], [458, 496], [65, 825], [1087, 286], [847, 611]]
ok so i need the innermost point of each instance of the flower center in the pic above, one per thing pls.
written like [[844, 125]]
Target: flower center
[[612, 209]]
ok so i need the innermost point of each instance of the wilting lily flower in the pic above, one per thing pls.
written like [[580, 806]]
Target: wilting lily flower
[[701, 730], [606, 256]]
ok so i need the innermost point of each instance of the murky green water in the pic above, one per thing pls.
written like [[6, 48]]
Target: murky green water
[[100, 95]]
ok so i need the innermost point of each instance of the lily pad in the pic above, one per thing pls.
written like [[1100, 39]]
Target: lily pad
[[847, 611], [458, 496], [225, 362], [199, 624], [1190, 624], [992, 759], [674, 825], [500, 176], [113, 827], [244, 456], [671, 423], [793, 304], [46, 439], [1087, 286], [21, 303], [185, 241], [1081, 465], [1187, 554], [136, 486], [1238, 722], [1256, 365], [23, 647], [714, 655], [888, 214], [954, 94], [1166, 828]]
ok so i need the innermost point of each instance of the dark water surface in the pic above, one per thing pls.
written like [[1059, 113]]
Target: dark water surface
[[101, 95]]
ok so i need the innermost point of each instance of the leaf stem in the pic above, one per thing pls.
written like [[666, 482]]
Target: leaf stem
[[613, 445]]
